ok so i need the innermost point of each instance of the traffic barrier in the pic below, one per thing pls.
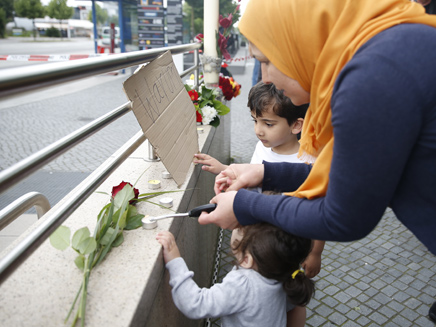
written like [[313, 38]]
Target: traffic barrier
[[66, 57]]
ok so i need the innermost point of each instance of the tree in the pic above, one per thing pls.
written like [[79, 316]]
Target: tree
[[101, 14], [2, 23], [113, 19], [8, 7], [58, 9], [30, 9]]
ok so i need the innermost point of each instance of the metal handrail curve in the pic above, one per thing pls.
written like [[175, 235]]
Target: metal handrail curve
[[20, 80], [21, 205]]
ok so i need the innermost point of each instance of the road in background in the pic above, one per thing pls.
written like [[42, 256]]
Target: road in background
[[43, 46], [33, 121]]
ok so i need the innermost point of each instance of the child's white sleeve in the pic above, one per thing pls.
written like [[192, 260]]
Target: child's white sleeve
[[196, 303], [256, 158]]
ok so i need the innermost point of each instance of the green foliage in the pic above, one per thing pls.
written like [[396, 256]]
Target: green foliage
[[29, 8], [2, 23], [207, 97], [8, 7], [58, 9], [113, 19], [101, 15], [52, 32]]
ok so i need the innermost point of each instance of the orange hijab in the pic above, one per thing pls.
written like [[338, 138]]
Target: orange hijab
[[311, 41]]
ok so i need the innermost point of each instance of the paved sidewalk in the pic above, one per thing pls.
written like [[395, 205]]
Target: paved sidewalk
[[386, 279]]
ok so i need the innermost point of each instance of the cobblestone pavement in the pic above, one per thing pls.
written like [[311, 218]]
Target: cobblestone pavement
[[32, 125], [386, 279]]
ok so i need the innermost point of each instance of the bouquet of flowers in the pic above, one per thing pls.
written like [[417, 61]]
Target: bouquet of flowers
[[226, 26], [115, 217], [230, 88], [208, 108]]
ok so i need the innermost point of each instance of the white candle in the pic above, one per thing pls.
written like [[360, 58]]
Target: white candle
[[154, 184], [166, 202], [210, 28]]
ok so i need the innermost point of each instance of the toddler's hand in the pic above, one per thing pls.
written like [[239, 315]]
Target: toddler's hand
[[209, 163], [170, 248]]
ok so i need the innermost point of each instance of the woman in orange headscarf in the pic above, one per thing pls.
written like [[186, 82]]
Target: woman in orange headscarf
[[369, 136]]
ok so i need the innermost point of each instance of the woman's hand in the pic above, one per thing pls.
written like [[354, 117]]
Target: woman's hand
[[312, 265], [209, 163], [223, 216], [170, 248], [239, 176]]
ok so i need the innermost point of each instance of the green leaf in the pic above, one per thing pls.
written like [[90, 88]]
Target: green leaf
[[131, 211], [221, 108], [123, 197], [108, 246], [60, 239], [87, 245], [145, 196], [119, 240], [80, 262], [215, 122], [187, 87], [116, 216], [205, 102], [102, 220], [134, 222], [206, 93], [80, 235], [123, 219], [107, 236]]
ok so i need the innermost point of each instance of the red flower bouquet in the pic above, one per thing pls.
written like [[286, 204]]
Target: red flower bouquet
[[207, 106], [229, 87]]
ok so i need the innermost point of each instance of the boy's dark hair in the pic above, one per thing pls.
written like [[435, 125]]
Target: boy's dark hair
[[277, 255], [263, 96]]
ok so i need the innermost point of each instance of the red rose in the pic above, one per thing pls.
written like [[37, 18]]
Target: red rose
[[118, 188]]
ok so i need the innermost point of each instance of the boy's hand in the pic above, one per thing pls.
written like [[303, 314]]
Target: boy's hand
[[170, 248], [209, 163], [238, 176]]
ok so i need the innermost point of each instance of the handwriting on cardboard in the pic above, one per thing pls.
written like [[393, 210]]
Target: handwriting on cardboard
[[165, 113]]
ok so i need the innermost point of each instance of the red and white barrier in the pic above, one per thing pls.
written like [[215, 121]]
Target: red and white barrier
[[67, 57], [59, 57]]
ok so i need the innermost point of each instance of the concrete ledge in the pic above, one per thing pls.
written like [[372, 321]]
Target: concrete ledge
[[130, 287]]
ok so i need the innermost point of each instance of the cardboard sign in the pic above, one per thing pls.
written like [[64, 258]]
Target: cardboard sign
[[166, 114]]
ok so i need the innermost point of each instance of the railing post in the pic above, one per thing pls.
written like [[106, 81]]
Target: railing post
[[197, 70], [152, 156]]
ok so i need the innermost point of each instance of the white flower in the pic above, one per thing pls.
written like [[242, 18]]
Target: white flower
[[209, 113]]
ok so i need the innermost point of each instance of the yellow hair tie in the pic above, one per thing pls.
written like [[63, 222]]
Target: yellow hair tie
[[296, 272]]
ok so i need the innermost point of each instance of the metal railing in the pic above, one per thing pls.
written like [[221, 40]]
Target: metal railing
[[24, 79]]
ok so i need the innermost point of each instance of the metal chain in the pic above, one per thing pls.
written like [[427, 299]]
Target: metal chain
[[217, 264]]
